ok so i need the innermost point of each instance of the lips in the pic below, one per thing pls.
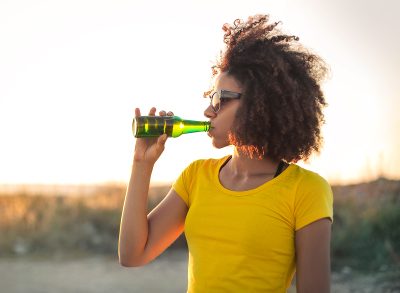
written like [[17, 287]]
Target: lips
[[209, 132]]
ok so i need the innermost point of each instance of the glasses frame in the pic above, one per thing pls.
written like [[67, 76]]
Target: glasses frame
[[223, 94]]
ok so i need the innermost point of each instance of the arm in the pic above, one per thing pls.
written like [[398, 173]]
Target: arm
[[143, 237], [313, 257]]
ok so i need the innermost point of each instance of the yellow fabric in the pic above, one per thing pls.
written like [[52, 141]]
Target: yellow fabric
[[243, 241]]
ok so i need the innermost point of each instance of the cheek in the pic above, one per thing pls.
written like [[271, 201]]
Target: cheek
[[225, 125]]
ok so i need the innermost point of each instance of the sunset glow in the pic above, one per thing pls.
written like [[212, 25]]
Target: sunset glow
[[72, 73]]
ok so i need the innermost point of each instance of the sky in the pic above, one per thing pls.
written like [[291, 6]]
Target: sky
[[72, 73]]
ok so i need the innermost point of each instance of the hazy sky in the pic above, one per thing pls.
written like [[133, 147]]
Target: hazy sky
[[72, 72]]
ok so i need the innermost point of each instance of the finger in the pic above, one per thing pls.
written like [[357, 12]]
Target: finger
[[162, 113], [170, 113], [152, 111], [161, 140], [137, 112]]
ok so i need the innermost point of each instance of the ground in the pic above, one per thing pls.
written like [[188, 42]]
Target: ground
[[100, 274]]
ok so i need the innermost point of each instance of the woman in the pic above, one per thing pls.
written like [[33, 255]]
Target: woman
[[254, 218]]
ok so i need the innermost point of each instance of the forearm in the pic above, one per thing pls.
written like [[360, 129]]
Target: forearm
[[134, 225]]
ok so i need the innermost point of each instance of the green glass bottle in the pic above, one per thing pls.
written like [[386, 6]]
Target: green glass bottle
[[173, 126]]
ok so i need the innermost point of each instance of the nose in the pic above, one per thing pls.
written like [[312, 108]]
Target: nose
[[209, 113]]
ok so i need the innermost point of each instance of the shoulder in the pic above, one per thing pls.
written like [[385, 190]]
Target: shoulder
[[206, 164], [313, 199], [307, 179], [311, 189], [201, 169], [198, 173]]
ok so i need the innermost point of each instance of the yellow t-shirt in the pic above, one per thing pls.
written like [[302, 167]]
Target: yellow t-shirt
[[243, 241]]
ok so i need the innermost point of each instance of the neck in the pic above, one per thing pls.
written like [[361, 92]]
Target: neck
[[244, 166]]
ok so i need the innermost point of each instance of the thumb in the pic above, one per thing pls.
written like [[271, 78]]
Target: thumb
[[161, 140]]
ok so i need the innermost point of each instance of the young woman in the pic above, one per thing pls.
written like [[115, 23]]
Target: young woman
[[254, 218]]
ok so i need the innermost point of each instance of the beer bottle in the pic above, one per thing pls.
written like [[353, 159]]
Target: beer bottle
[[173, 126]]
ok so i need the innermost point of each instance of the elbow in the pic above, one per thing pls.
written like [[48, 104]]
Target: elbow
[[129, 261], [128, 264]]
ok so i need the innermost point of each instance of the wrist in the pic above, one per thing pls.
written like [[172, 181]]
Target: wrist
[[142, 170]]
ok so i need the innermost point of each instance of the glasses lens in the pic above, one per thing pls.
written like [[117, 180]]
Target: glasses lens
[[216, 101]]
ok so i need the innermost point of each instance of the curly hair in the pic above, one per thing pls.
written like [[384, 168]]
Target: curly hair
[[281, 106]]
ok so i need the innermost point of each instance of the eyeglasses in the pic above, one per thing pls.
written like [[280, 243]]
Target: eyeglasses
[[218, 97]]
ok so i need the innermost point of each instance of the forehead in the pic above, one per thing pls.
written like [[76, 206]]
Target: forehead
[[224, 81]]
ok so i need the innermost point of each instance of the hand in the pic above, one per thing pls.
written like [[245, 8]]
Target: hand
[[150, 149]]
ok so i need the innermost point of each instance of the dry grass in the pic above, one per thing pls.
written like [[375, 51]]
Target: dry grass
[[365, 231]]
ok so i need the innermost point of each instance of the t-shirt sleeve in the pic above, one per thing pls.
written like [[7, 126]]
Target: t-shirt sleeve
[[313, 201], [182, 185]]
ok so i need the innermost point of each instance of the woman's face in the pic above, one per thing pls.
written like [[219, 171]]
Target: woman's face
[[222, 122]]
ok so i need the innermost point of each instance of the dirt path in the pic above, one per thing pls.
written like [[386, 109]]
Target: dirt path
[[104, 274], [92, 274]]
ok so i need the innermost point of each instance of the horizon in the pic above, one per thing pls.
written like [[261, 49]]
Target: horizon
[[91, 189]]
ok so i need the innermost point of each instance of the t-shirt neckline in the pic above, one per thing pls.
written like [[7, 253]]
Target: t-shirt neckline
[[223, 161]]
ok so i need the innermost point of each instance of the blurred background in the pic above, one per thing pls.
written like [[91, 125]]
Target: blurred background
[[71, 74]]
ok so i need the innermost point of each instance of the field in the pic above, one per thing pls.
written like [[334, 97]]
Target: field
[[72, 233]]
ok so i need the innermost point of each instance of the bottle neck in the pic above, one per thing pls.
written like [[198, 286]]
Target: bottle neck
[[190, 126]]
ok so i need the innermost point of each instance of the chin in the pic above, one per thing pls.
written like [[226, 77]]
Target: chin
[[219, 144]]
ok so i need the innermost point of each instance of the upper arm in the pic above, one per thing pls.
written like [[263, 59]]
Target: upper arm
[[313, 257], [165, 223]]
